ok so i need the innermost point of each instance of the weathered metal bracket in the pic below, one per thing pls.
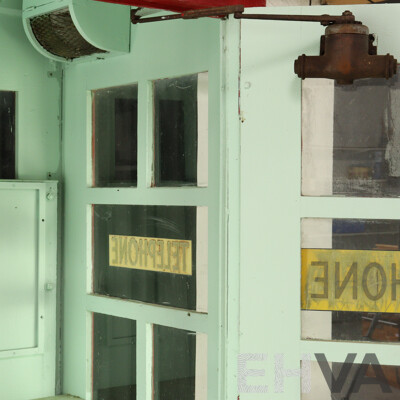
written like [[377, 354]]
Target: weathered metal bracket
[[346, 18], [346, 52], [238, 10], [216, 12]]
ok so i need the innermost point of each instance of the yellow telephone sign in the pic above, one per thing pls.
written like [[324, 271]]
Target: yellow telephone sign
[[151, 254], [350, 280]]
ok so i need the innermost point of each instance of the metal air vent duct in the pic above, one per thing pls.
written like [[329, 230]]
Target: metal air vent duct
[[71, 29]]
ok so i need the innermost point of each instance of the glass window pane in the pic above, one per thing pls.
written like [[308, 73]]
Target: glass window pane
[[180, 364], [351, 138], [351, 279], [7, 135], [115, 136], [154, 254], [350, 381], [114, 358], [181, 131]]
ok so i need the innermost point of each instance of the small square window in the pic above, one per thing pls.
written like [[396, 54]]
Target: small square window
[[114, 153], [181, 131]]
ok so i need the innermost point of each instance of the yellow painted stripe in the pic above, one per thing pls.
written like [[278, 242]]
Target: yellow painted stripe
[[151, 254], [350, 280]]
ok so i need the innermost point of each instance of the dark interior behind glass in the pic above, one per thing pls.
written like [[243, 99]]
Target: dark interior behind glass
[[7, 135], [115, 136], [169, 222], [114, 358], [365, 235], [174, 364], [366, 138], [175, 131]]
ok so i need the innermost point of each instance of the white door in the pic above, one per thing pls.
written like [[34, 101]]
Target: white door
[[28, 248]]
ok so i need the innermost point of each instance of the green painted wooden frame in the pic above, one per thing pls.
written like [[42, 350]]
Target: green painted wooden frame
[[158, 51]]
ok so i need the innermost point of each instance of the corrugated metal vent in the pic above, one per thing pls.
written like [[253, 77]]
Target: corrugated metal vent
[[57, 33]]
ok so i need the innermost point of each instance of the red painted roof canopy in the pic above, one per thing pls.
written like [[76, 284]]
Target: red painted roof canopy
[[184, 5]]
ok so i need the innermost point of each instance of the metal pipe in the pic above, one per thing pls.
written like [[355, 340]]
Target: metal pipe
[[218, 12], [135, 19], [323, 19], [221, 12]]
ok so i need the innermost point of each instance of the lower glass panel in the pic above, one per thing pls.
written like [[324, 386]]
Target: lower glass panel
[[114, 358], [180, 364], [350, 381], [350, 279]]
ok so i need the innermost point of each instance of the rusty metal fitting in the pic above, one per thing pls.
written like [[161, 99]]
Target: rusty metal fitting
[[347, 53], [337, 29]]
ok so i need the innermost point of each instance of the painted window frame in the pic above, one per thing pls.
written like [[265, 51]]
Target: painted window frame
[[211, 197]]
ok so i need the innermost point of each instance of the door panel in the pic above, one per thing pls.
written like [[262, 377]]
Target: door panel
[[271, 106], [27, 289], [18, 287]]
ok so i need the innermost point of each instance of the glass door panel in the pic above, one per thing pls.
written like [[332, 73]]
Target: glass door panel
[[114, 136], [7, 135], [154, 254], [181, 131], [351, 138], [350, 288], [114, 358], [352, 381], [180, 364]]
